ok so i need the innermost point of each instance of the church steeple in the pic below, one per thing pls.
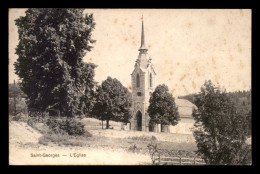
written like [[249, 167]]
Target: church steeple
[[143, 83], [142, 48]]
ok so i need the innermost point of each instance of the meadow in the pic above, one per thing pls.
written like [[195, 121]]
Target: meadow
[[123, 147]]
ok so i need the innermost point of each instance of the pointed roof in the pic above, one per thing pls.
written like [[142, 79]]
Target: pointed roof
[[142, 47]]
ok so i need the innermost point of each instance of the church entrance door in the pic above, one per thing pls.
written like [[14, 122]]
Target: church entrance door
[[139, 120]]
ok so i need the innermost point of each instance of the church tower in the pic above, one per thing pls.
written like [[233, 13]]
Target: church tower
[[143, 84]]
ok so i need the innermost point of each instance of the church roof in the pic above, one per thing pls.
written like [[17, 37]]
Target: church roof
[[142, 47], [185, 108]]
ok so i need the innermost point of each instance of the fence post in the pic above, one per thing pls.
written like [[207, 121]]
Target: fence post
[[194, 161], [180, 160]]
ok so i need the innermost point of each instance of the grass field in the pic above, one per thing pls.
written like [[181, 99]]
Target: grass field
[[105, 146]]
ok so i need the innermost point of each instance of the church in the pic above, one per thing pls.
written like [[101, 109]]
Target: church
[[143, 80], [143, 84]]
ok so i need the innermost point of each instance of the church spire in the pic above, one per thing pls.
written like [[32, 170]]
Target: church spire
[[142, 47]]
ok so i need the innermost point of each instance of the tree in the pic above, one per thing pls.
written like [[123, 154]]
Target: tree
[[113, 102], [15, 89], [162, 109], [87, 99], [16, 100], [220, 131], [52, 43]]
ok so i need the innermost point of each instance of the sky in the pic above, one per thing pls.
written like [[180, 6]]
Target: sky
[[187, 46]]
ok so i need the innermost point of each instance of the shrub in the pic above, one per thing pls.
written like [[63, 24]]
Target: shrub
[[42, 128], [154, 138], [132, 148], [73, 127], [153, 151], [43, 141], [62, 139], [55, 126], [31, 122], [69, 126]]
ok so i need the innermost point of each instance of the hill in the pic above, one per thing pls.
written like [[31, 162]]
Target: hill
[[241, 99]]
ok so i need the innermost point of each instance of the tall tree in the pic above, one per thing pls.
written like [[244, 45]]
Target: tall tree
[[87, 99], [52, 43], [15, 89], [113, 102], [16, 101], [220, 131], [162, 109]]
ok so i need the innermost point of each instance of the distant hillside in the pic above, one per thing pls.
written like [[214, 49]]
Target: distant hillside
[[241, 99], [190, 97]]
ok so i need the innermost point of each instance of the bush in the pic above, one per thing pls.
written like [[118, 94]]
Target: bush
[[62, 139], [31, 122], [74, 127], [55, 126], [132, 148], [69, 126]]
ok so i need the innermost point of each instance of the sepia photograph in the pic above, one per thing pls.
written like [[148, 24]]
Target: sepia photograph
[[129, 86]]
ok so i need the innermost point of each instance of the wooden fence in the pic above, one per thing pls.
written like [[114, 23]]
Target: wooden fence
[[178, 161]]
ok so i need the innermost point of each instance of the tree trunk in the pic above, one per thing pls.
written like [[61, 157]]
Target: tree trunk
[[107, 124]]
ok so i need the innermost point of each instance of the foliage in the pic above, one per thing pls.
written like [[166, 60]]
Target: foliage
[[52, 43], [69, 126], [113, 102], [20, 106], [154, 152], [63, 139], [241, 100], [88, 85], [132, 148], [220, 131], [32, 121], [18, 117], [162, 108], [15, 89], [243, 104]]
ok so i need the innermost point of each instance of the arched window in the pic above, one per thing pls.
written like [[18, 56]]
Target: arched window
[[151, 80], [137, 80]]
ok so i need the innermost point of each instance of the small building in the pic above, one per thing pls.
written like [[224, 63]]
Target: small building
[[186, 122]]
